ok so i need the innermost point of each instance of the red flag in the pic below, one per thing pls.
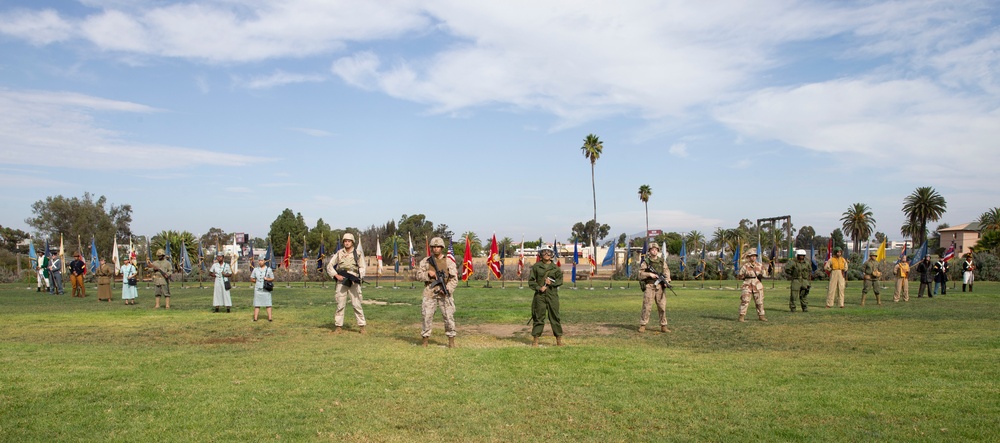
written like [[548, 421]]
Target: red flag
[[288, 252], [494, 261], [555, 250], [593, 265], [467, 261], [949, 253], [829, 248], [520, 259]]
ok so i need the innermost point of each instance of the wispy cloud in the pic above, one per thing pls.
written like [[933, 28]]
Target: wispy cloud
[[278, 78], [679, 150], [313, 132], [58, 129]]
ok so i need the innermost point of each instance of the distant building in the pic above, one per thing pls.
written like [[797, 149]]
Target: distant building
[[965, 236]]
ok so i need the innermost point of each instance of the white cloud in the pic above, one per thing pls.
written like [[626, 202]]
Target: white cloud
[[679, 150], [239, 189], [313, 132], [58, 129], [37, 27], [278, 78]]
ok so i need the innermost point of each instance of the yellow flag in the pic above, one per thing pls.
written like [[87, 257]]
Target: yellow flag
[[880, 255]]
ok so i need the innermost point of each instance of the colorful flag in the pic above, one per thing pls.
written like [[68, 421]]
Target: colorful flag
[[949, 253], [502, 264], [413, 260], [555, 250], [829, 248], [736, 260], [683, 254], [131, 248], [467, 261], [592, 259], [451, 252], [114, 257], [45, 253], [700, 269], [395, 254], [185, 259], [920, 254], [812, 257], [32, 255], [94, 262], [722, 253], [305, 258], [867, 251], [286, 260], [520, 258], [378, 256], [362, 262], [901, 253], [62, 253], [201, 257], [493, 262], [576, 259], [880, 254], [609, 259]]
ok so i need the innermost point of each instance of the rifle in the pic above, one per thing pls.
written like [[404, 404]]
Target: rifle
[[349, 279], [439, 280], [165, 275], [661, 279]]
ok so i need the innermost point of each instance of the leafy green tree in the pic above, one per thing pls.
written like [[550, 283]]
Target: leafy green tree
[[216, 236], [838, 239], [285, 225], [586, 230], [990, 220], [176, 239], [419, 228], [859, 222], [880, 237], [922, 206], [671, 241], [10, 237], [989, 241], [81, 218], [805, 237], [592, 149], [644, 192]]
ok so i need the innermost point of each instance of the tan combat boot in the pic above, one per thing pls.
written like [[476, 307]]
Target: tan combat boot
[[337, 330], [863, 299], [424, 343], [741, 319], [534, 341], [761, 318], [642, 328], [664, 328], [559, 341], [361, 330], [451, 342]]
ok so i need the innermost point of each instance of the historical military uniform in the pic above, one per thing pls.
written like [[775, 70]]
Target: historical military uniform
[[162, 270], [43, 273], [76, 271], [968, 273], [649, 270], [926, 277], [105, 273], [837, 267], [433, 297], [751, 272], [55, 271], [349, 262], [871, 276], [799, 272], [545, 273], [902, 273], [941, 276]]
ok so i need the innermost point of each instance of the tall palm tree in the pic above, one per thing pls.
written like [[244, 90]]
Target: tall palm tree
[[644, 192], [920, 207], [990, 220], [592, 148], [858, 222], [695, 238], [718, 238]]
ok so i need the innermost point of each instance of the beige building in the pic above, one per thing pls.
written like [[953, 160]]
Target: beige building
[[965, 237]]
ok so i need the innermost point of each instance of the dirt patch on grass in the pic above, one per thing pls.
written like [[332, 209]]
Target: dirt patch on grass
[[502, 331], [382, 303]]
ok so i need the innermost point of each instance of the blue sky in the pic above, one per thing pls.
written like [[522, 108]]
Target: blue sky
[[222, 114]]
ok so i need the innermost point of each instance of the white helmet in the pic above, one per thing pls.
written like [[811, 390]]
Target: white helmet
[[800, 252]]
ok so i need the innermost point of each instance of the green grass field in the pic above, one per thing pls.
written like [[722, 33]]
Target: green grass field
[[76, 369]]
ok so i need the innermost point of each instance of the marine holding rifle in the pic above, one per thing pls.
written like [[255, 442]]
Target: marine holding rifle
[[344, 266], [752, 272], [654, 278], [162, 270], [440, 277], [545, 278]]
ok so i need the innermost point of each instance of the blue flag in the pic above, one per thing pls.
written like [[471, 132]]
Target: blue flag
[[576, 259], [683, 255], [736, 260], [45, 253], [395, 254], [719, 267], [645, 250], [201, 256], [250, 253], [867, 252], [31, 251], [609, 259], [269, 255], [320, 257], [920, 254], [185, 259], [93, 255], [812, 257], [701, 263], [502, 257], [759, 257]]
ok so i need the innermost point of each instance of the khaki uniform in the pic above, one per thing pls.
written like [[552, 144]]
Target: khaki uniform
[[799, 272], [434, 298], [871, 275], [752, 287], [653, 293], [545, 303], [345, 261], [902, 273], [162, 283], [104, 275], [837, 267]]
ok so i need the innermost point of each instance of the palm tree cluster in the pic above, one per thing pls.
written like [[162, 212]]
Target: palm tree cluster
[[859, 223], [920, 207]]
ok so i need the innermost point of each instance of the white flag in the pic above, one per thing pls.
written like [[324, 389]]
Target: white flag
[[363, 266], [114, 257], [378, 256]]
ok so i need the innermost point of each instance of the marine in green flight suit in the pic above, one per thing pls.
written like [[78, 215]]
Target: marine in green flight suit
[[545, 278], [798, 272]]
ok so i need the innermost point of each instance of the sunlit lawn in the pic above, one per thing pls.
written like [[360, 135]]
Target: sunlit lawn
[[76, 369]]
